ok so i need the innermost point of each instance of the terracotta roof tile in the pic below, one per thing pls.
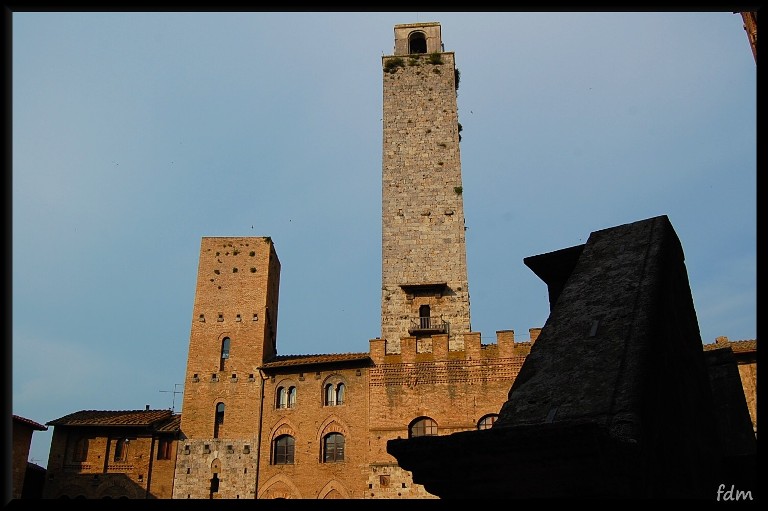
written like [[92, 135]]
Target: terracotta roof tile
[[742, 346], [113, 418], [30, 422], [300, 360], [737, 346], [172, 425]]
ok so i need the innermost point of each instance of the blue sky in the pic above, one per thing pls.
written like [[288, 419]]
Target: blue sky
[[137, 134]]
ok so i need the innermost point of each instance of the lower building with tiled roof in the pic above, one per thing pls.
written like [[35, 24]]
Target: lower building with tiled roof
[[113, 454]]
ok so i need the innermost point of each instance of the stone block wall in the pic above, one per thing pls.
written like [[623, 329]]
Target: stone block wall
[[423, 237], [232, 460]]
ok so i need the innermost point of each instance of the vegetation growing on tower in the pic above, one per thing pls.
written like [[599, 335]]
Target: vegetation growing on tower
[[391, 65]]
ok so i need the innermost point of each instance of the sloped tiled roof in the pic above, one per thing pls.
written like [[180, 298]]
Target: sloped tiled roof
[[141, 418], [301, 360], [30, 423], [737, 346], [172, 425]]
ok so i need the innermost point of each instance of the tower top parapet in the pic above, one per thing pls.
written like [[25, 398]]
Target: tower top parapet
[[413, 38]]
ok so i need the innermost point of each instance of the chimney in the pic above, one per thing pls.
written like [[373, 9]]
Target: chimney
[[146, 407]]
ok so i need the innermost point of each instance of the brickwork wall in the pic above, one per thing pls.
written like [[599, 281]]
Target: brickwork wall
[[163, 473], [422, 207], [453, 388], [100, 475], [309, 421], [236, 297]]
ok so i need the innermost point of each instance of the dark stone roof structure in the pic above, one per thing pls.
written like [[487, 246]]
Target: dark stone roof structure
[[614, 399]]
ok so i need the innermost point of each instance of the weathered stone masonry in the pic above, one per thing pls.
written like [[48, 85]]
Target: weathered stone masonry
[[423, 242]]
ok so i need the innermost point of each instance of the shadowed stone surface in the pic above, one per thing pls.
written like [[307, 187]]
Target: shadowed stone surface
[[614, 399]]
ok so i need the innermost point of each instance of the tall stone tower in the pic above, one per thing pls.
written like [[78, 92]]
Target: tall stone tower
[[424, 269], [234, 328]]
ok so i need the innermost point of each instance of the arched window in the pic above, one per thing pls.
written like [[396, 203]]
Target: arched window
[[219, 421], [333, 393], [285, 397], [291, 397], [282, 450], [80, 453], [417, 43], [486, 422], [224, 352], [333, 448], [423, 426], [121, 449]]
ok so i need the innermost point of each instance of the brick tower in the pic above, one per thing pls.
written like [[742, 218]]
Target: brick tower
[[233, 332], [424, 270]]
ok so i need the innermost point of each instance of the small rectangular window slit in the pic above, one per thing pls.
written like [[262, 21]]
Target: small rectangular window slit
[[593, 330]]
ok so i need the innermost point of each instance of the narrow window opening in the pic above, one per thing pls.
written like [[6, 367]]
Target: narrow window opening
[[424, 314], [219, 421], [225, 343], [121, 449], [291, 397], [164, 449], [417, 43]]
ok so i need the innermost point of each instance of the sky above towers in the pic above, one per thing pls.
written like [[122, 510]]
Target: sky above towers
[[136, 134]]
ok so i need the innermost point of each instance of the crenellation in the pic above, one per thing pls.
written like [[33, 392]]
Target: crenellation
[[472, 345], [436, 349]]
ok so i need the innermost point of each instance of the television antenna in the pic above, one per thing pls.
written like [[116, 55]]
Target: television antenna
[[174, 392]]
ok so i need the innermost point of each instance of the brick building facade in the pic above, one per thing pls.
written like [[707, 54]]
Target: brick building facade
[[256, 424], [113, 454]]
